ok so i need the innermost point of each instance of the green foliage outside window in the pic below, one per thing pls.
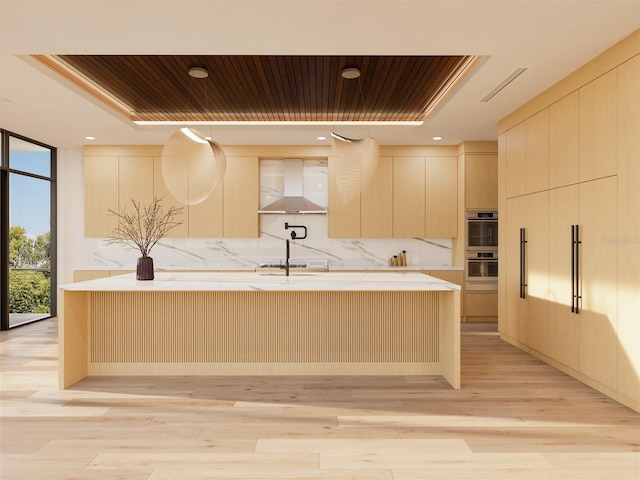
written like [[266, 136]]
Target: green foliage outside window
[[29, 290]]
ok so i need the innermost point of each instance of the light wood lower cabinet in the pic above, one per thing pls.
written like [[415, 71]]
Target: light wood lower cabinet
[[481, 306], [587, 340], [598, 281], [536, 302], [563, 329], [515, 312]]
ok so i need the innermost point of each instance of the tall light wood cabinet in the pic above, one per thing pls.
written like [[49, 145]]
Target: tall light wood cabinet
[[594, 178], [628, 241], [409, 199]]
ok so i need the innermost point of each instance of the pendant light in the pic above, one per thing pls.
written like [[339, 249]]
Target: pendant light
[[192, 165], [357, 160]]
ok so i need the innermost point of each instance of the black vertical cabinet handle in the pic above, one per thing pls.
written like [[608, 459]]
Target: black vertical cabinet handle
[[577, 275], [573, 268], [522, 263]]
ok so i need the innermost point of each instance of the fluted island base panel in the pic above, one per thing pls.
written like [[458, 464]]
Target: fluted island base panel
[[259, 333]]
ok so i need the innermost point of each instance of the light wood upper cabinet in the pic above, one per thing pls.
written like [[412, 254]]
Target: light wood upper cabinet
[[205, 218], [343, 218], [100, 194], [564, 122], [241, 198], [598, 128], [135, 181], [409, 200], [537, 152], [161, 191], [516, 154], [629, 228], [376, 203], [481, 181], [441, 197]]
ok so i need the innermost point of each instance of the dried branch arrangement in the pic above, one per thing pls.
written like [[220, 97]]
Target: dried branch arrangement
[[144, 226]]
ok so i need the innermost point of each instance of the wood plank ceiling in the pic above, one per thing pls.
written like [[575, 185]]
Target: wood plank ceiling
[[264, 88]]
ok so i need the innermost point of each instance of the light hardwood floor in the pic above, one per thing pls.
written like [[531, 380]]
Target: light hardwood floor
[[514, 418]]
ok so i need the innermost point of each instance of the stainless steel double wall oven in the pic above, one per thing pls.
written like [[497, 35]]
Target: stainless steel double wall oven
[[481, 269]]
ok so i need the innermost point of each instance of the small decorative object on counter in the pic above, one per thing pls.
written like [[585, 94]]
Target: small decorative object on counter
[[403, 258], [141, 229]]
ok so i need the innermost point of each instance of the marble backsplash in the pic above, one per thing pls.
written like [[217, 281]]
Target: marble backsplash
[[232, 253]]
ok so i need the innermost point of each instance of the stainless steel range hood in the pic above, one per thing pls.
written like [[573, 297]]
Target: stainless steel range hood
[[293, 200]]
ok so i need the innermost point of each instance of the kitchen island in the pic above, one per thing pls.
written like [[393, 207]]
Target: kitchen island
[[237, 323]]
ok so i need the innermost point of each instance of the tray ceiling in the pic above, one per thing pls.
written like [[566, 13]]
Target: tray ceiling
[[263, 88]]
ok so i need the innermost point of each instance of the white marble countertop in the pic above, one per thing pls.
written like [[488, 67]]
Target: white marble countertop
[[240, 268], [256, 281]]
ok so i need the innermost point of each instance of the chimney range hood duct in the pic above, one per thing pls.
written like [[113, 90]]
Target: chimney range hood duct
[[293, 200]]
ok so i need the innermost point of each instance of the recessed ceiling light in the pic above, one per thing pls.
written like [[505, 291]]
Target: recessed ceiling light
[[321, 138], [436, 138], [89, 138]]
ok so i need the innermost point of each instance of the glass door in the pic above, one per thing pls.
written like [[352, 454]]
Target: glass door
[[28, 231]]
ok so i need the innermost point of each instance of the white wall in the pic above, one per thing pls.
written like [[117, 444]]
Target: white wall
[[77, 252]]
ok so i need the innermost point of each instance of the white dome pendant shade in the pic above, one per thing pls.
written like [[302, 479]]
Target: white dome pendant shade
[[356, 165], [192, 166]]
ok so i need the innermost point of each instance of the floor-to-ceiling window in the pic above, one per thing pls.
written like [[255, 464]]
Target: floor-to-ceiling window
[[27, 230]]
